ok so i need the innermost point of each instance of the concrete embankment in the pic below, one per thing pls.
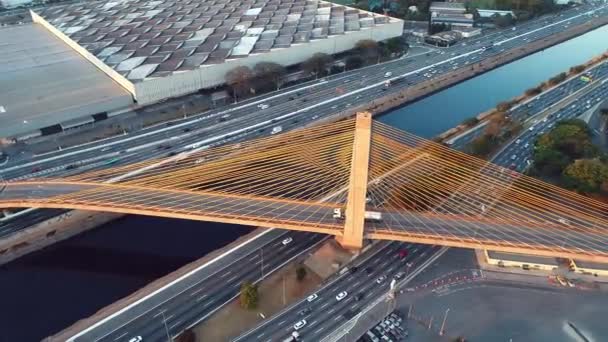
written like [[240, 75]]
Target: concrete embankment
[[149, 288], [48, 232]]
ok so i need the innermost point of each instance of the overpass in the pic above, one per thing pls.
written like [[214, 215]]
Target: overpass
[[426, 192]]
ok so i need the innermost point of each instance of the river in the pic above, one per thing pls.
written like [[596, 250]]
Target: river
[[46, 291]]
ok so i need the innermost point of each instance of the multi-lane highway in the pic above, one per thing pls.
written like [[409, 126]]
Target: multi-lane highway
[[290, 108], [559, 104], [324, 313], [195, 296]]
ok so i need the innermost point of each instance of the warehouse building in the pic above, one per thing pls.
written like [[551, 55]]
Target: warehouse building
[[45, 86], [166, 48]]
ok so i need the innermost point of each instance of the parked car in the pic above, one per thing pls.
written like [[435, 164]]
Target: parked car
[[312, 297], [341, 295]]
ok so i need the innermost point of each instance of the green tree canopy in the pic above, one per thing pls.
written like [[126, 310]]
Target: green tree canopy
[[317, 64], [249, 295], [270, 72], [239, 80], [368, 49], [586, 175]]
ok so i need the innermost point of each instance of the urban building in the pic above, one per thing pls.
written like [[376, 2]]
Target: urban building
[[445, 38], [45, 86], [528, 262], [14, 3], [590, 268], [488, 13], [452, 14], [467, 32], [167, 48]]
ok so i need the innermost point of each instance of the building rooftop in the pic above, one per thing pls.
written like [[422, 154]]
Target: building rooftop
[[143, 39], [450, 6], [529, 259], [44, 82], [591, 265]]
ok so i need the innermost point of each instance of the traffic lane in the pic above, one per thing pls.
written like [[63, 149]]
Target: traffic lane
[[270, 326], [206, 297], [386, 263], [199, 279]]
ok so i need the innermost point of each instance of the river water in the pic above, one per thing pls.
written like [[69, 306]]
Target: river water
[[46, 291]]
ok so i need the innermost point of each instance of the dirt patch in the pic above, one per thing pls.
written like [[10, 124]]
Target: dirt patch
[[275, 292], [328, 259]]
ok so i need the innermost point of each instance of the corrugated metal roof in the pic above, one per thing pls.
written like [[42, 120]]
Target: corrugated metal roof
[[200, 25]]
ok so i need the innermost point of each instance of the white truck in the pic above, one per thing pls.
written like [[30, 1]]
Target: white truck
[[369, 215]]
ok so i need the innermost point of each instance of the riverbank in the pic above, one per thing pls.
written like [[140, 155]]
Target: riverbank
[[108, 310]]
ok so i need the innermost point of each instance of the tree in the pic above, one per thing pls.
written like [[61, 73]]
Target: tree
[[502, 20], [504, 106], [470, 121], [354, 62], [239, 80], [272, 72], [557, 79], [368, 49], [187, 336], [533, 91], [317, 64], [483, 145], [577, 69], [249, 295], [586, 175], [550, 162], [300, 272], [395, 45]]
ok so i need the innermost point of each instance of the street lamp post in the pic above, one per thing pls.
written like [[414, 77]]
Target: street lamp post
[[165, 324], [442, 330]]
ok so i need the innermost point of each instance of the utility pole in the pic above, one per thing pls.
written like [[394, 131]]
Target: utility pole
[[166, 328], [441, 331]]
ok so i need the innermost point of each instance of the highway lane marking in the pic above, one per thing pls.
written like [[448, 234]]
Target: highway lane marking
[[121, 336], [337, 318], [197, 291], [260, 335], [281, 322], [201, 297], [159, 313], [319, 330], [324, 305], [175, 324], [232, 279]]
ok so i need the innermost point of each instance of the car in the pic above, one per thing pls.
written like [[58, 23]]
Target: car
[[341, 295], [299, 325], [526, 145], [402, 253], [263, 106], [388, 74], [369, 270], [107, 148], [71, 167], [136, 339], [381, 279], [399, 275], [354, 269], [287, 241], [305, 312], [315, 117], [187, 129], [513, 157], [359, 296], [545, 120], [171, 154], [512, 166], [517, 141], [36, 169], [312, 297]]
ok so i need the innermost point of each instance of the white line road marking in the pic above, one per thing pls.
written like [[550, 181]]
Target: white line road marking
[[324, 305], [337, 318], [197, 291], [121, 336], [319, 330], [201, 298], [232, 279], [281, 322], [225, 274], [159, 313], [174, 324], [260, 335]]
